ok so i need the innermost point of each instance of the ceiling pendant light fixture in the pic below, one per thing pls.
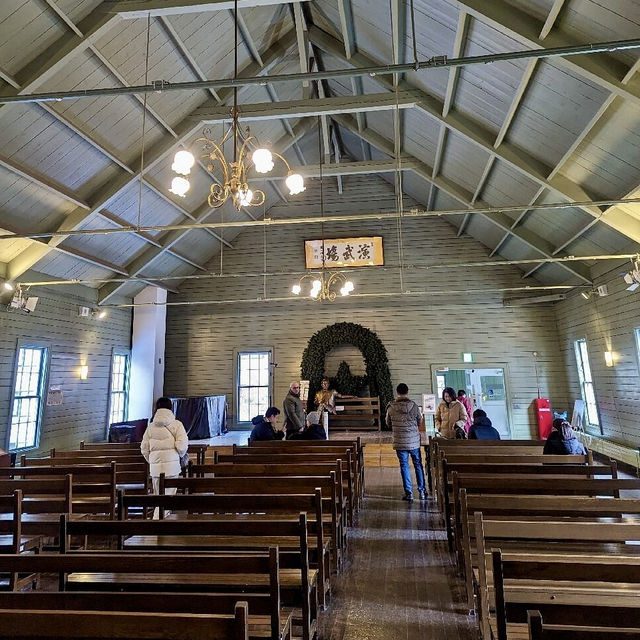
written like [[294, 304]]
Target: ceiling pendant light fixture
[[323, 287], [232, 183]]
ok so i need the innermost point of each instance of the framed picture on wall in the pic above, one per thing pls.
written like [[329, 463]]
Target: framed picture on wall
[[344, 252]]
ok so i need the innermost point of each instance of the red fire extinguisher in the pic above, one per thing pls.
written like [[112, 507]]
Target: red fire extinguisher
[[544, 417]]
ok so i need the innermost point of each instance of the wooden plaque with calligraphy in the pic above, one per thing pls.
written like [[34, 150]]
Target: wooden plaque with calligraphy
[[344, 252]]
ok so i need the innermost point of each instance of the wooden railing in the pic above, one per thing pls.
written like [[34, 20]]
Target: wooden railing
[[361, 414]]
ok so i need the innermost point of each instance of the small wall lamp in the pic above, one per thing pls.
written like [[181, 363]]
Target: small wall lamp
[[84, 371], [608, 358]]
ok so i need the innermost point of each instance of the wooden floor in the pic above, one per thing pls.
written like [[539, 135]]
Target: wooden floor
[[399, 582]]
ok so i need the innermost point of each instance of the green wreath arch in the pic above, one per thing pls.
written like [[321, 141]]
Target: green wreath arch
[[373, 352]]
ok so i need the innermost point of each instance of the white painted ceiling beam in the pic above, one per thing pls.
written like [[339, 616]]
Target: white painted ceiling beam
[[322, 106], [142, 262], [501, 220], [131, 9], [364, 167]]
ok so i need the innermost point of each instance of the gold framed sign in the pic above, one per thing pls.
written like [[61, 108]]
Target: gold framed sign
[[344, 252]]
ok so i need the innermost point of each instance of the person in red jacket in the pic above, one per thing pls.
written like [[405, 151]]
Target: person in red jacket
[[466, 403]]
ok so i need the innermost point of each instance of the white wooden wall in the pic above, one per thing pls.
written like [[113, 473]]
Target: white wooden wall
[[608, 325], [55, 322], [417, 331]]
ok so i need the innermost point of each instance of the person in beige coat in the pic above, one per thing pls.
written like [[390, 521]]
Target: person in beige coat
[[450, 413]]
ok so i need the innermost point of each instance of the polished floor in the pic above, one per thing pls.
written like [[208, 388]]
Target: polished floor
[[399, 582]]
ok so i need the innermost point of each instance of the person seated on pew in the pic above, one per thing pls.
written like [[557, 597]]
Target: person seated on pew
[[563, 441], [264, 427], [313, 429], [164, 442], [482, 429]]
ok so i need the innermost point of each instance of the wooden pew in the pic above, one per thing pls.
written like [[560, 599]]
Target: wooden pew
[[93, 487], [541, 631], [259, 606], [253, 469], [274, 485], [21, 624], [574, 590], [546, 536], [132, 476], [289, 460], [362, 414], [490, 447], [529, 507], [551, 466], [307, 581], [325, 446], [197, 451]]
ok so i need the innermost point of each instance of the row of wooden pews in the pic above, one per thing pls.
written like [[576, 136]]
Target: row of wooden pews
[[548, 545], [247, 546]]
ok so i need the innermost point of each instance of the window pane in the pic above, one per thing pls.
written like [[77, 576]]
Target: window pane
[[119, 387], [586, 383], [253, 385], [26, 412]]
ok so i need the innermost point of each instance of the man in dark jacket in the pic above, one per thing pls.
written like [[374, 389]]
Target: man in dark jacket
[[265, 426], [403, 416], [293, 410], [482, 429], [313, 431]]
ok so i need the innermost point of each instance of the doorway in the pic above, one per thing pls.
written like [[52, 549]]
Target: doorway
[[486, 389]]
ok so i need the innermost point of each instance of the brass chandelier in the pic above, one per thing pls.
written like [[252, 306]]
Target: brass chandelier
[[232, 182], [324, 288]]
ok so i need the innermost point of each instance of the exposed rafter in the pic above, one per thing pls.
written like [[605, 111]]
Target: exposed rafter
[[522, 162], [159, 152], [501, 220], [603, 69]]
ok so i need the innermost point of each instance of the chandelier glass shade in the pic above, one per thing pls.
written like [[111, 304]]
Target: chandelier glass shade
[[232, 176], [325, 288]]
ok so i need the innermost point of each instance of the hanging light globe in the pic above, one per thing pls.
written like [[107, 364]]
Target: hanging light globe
[[349, 286], [295, 183], [245, 196], [262, 160], [182, 162], [296, 289], [179, 186]]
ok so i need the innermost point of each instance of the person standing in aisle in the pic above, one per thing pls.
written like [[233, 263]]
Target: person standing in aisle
[[293, 410], [466, 403], [403, 416]]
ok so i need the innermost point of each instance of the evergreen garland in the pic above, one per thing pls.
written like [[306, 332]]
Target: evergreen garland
[[373, 351]]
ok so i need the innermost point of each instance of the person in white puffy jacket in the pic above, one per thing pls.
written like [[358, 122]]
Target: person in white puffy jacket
[[164, 442]]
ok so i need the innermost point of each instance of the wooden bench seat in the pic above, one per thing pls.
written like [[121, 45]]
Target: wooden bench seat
[[245, 574], [106, 625], [571, 590], [537, 630]]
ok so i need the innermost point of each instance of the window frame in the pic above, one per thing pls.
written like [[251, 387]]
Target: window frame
[[236, 404], [582, 381], [636, 337], [43, 386], [116, 351]]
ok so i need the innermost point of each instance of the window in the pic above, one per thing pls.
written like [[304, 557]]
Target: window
[[586, 383], [253, 384], [119, 391], [637, 336], [28, 397]]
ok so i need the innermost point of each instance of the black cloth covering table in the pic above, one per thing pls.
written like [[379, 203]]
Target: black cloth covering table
[[202, 416]]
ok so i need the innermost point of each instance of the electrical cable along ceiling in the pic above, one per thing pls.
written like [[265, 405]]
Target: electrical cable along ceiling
[[534, 153]]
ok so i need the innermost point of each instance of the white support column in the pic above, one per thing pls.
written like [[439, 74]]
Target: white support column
[[147, 352]]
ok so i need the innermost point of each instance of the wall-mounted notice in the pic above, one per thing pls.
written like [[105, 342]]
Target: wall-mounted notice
[[54, 396], [304, 390], [428, 403]]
